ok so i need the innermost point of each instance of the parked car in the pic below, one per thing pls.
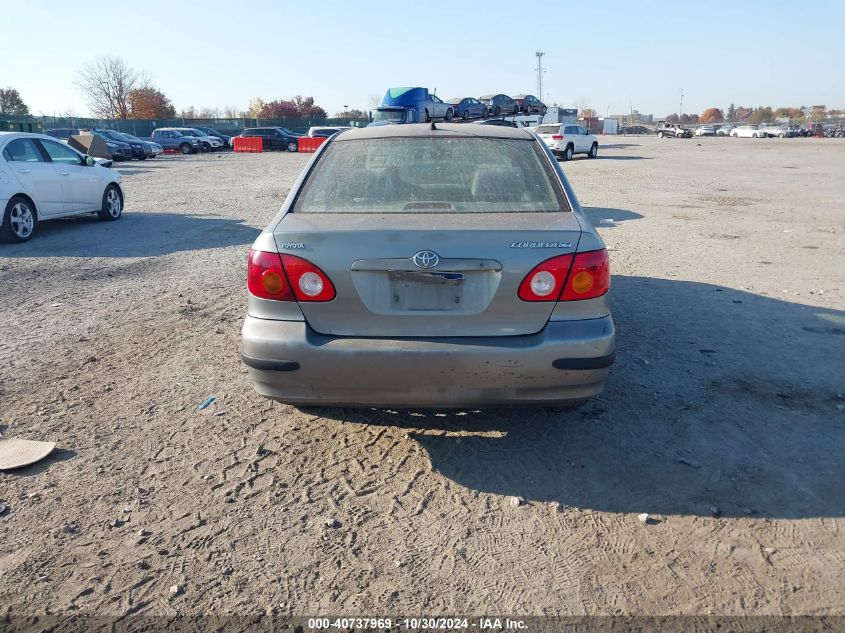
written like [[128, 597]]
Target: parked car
[[499, 104], [469, 108], [170, 138], [155, 148], [273, 138], [634, 129], [426, 293], [42, 178], [567, 139], [530, 103], [326, 130], [725, 130], [210, 131], [142, 150], [706, 130], [63, 133], [120, 150], [673, 130], [207, 143], [747, 131], [776, 131]]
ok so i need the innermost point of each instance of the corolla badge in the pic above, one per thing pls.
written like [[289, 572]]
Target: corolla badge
[[426, 259], [541, 244]]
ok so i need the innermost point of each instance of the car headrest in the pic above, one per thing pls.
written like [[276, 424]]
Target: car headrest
[[498, 185]]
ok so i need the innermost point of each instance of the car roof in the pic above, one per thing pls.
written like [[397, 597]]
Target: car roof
[[8, 136], [414, 130]]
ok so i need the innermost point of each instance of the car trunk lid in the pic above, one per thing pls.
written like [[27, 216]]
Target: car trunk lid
[[463, 283]]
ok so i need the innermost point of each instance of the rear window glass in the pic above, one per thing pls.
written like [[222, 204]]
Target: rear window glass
[[548, 129], [431, 175]]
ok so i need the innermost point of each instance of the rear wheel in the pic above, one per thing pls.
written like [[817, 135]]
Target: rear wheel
[[660, 135], [19, 220], [292, 147], [568, 153], [497, 111], [594, 150], [112, 207], [449, 114], [465, 115], [185, 148], [516, 109]]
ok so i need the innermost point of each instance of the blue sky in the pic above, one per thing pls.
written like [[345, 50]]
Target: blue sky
[[604, 54]]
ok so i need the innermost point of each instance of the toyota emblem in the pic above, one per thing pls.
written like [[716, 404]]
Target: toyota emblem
[[426, 259]]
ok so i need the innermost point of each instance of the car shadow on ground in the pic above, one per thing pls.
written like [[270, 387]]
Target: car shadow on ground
[[606, 157], [136, 234], [720, 402], [605, 216], [616, 145]]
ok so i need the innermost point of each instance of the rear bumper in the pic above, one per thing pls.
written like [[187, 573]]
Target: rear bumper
[[290, 362]]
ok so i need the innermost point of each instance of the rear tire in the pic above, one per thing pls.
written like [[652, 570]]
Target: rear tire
[[497, 111], [568, 153], [449, 114], [292, 147], [594, 151], [112, 207], [660, 135], [19, 220], [465, 115], [185, 148]]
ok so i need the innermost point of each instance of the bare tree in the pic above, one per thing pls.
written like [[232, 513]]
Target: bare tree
[[375, 100], [232, 112], [582, 104], [106, 83]]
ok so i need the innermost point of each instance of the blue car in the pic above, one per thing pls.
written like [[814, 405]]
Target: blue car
[[470, 108]]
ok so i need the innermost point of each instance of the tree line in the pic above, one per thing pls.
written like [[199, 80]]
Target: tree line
[[115, 90], [761, 114]]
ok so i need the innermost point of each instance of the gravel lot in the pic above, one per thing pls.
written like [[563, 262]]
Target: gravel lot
[[723, 417]]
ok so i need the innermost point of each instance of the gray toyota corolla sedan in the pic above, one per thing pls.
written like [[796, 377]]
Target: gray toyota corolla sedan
[[441, 265]]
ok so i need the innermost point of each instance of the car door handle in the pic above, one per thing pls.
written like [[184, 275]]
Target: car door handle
[[64, 173], [23, 171]]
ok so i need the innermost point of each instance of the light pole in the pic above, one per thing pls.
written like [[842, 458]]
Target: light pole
[[539, 55], [681, 110]]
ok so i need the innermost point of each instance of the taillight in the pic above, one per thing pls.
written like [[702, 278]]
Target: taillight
[[589, 276], [545, 281], [266, 278], [557, 137], [286, 278], [309, 283]]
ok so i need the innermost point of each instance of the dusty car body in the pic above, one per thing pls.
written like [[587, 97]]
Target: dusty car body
[[423, 266]]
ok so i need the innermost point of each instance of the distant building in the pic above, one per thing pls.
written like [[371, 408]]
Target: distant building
[[634, 118]]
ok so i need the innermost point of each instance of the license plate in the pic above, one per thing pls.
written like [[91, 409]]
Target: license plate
[[435, 290]]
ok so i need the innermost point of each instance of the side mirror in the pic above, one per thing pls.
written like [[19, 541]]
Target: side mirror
[[89, 160]]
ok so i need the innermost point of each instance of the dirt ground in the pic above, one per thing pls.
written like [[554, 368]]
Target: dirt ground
[[722, 419]]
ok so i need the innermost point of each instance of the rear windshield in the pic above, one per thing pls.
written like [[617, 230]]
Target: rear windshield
[[432, 175], [548, 129]]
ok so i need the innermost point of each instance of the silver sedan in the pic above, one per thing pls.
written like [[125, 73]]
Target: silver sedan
[[428, 265]]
